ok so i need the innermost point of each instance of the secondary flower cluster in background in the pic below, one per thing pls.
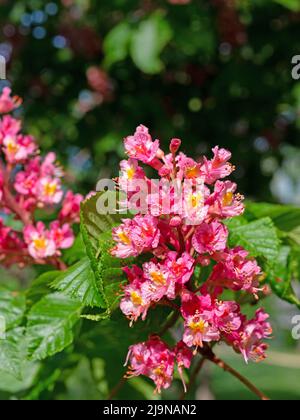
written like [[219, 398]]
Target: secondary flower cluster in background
[[176, 248], [29, 183]]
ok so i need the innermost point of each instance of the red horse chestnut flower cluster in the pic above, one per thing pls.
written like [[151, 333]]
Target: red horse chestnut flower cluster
[[181, 239], [29, 182]]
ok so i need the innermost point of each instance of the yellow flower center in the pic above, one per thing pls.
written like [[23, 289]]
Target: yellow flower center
[[195, 200], [192, 172], [50, 188], [136, 299], [130, 173], [12, 147], [199, 326], [40, 243], [227, 199], [158, 278], [159, 371], [124, 238]]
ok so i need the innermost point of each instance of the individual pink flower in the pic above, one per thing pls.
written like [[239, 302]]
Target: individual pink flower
[[227, 317], [70, 211], [218, 167], [50, 168], [191, 169], [134, 304], [133, 184], [9, 126], [145, 234], [140, 146], [122, 236], [200, 328], [62, 235], [18, 149], [181, 267], [224, 203], [40, 244], [162, 364], [7, 102], [139, 358], [136, 236], [49, 190], [250, 342], [236, 271], [210, 238], [160, 282], [198, 313], [130, 172], [26, 182], [194, 209], [192, 303]]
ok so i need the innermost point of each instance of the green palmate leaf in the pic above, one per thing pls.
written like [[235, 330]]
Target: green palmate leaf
[[79, 282], [12, 344], [12, 308], [12, 352], [93, 223], [96, 231], [116, 44], [285, 218], [148, 42], [281, 276], [41, 286], [50, 325], [23, 381], [259, 238], [110, 271]]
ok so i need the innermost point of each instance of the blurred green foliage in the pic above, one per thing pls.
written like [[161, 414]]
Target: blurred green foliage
[[210, 72]]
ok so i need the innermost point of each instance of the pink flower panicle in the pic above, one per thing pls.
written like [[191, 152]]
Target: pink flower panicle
[[179, 240], [29, 182]]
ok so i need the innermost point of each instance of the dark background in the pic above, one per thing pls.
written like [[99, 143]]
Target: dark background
[[209, 72]]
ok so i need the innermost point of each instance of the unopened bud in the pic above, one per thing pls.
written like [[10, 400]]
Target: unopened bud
[[175, 221], [203, 260], [175, 145]]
